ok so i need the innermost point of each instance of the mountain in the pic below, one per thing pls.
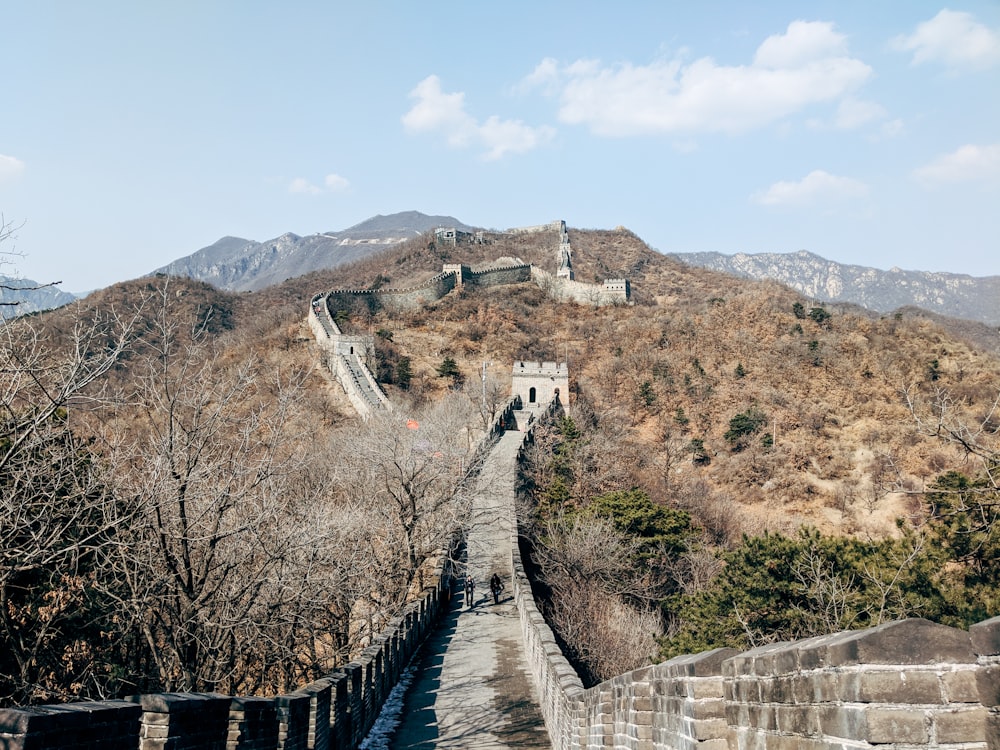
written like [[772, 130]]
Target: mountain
[[30, 296], [238, 264], [950, 294]]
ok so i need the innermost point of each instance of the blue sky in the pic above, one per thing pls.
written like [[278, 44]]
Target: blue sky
[[132, 133]]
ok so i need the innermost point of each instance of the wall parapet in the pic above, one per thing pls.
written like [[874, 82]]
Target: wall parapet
[[334, 712], [903, 684]]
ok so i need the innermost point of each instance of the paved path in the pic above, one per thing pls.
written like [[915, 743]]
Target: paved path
[[473, 689]]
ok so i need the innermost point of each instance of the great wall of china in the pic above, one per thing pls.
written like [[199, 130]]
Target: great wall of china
[[348, 356], [901, 685]]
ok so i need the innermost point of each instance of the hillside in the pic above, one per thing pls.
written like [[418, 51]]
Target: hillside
[[714, 406], [698, 348]]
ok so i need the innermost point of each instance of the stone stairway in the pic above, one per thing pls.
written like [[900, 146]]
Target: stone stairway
[[363, 385]]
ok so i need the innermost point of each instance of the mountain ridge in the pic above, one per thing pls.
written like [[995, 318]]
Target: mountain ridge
[[235, 264], [24, 296], [950, 294]]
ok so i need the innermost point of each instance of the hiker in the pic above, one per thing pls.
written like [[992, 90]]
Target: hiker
[[496, 586], [470, 591]]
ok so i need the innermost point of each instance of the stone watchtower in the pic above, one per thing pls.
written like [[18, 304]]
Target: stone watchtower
[[538, 383]]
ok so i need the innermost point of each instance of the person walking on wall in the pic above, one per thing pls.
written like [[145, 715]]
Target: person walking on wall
[[470, 591], [496, 586]]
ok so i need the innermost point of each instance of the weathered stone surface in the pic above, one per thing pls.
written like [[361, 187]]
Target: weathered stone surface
[[843, 721], [960, 686], [986, 637], [898, 686], [913, 641], [898, 725], [960, 725], [988, 685]]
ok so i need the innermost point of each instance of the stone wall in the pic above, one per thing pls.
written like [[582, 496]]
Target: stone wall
[[332, 713], [500, 275], [408, 298], [346, 357], [906, 684], [611, 292], [553, 226]]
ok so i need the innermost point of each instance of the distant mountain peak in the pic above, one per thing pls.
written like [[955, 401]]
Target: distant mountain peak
[[236, 264], [405, 221], [949, 294]]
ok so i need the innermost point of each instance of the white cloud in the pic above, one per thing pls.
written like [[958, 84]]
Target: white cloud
[[10, 168], [969, 163], [438, 112], [336, 183], [802, 43], [817, 187], [953, 38], [807, 64], [332, 183], [302, 186], [545, 76]]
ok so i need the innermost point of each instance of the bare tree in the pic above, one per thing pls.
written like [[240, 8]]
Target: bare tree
[[7, 234], [589, 567], [488, 395], [57, 515], [941, 416], [225, 562], [409, 475]]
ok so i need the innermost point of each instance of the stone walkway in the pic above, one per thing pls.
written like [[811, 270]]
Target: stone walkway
[[472, 687]]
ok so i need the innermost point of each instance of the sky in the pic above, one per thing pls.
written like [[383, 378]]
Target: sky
[[867, 132]]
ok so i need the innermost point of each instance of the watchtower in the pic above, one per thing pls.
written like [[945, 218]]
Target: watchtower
[[538, 383]]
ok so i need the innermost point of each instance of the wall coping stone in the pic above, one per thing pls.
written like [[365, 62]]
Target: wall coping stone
[[986, 637]]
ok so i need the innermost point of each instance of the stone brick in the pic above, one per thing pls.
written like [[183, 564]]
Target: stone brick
[[988, 685], [986, 637], [817, 687], [781, 690], [846, 722], [20, 720], [847, 686], [960, 687], [992, 728], [708, 709], [913, 641], [813, 652], [706, 688], [960, 725], [761, 716], [708, 729], [897, 725], [907, 686], [798, 720], [642, 703], [737, 714]]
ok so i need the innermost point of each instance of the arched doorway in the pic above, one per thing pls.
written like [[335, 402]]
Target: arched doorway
[[531, 395]]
